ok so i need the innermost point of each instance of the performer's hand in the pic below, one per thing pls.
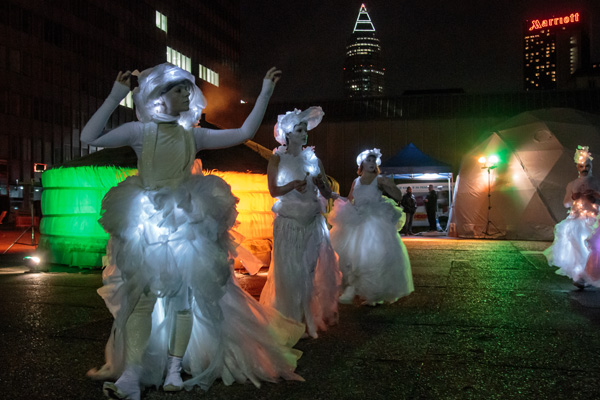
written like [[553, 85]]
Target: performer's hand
[[124, 78], [273, 74], [318, 181], [299, 185]]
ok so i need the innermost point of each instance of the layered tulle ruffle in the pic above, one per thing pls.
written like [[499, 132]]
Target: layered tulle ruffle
[[372, 256], [177, 239]]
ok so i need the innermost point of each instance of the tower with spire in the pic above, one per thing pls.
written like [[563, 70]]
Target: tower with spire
[[363, 67]]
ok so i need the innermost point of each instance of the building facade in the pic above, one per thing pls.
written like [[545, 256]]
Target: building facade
[[555, 49], [59, 59], [363, 66]]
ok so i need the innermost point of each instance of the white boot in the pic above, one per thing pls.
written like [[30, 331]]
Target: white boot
[[126, 387], [173, 382], [348, 296]]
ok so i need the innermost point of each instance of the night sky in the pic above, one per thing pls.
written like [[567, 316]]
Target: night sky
[[475, 45]]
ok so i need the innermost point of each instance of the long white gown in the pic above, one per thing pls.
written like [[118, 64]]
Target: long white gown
[[364, 234], [576, 247], [170, 234], [304, 277]]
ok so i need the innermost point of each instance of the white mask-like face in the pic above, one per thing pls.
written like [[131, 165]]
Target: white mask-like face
[[370, 164], [176, 100], [299, 135]]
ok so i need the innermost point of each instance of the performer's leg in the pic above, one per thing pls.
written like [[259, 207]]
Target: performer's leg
[[137, 333], [181, 330]]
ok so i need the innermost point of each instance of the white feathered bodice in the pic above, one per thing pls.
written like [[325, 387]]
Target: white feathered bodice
[[295, 204]]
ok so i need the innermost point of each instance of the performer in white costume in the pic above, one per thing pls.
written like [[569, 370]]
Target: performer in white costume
[[373, 259], [169, 283], [573, 251], [304, 278]]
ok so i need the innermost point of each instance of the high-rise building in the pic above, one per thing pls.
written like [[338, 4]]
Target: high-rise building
[[363, 69], [554, 50], [59, 59]]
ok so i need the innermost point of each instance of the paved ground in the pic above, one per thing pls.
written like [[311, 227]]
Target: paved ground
[[488, 320]]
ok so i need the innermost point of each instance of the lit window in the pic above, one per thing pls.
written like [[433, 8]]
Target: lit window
[[208, 75], [127, 101], [161, 21], [175, 57]]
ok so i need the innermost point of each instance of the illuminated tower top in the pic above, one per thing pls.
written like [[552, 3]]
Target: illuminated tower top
[[363, 69], [363, 22]]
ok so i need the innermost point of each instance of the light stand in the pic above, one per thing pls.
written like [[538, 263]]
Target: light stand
[[32, 226], [489, 223]]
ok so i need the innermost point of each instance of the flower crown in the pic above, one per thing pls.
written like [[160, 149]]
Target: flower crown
[[582, 155]]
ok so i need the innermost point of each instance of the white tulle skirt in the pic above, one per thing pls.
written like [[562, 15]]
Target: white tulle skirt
[[372, 256], [569, 251], [166, 240], [592, 266], [576, 250], [304, 277]]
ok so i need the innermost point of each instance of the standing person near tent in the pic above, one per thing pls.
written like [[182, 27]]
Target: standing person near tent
[[304, 278], [409, 205], [431, 208], [570, 251], [373, 259], [169, 284]]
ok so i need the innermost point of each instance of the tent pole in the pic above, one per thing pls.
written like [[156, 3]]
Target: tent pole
[[489, 222]]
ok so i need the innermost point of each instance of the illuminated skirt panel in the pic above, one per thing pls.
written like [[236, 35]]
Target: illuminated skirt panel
[[570, 251], [304, 278], [176, 240], [372, 256]]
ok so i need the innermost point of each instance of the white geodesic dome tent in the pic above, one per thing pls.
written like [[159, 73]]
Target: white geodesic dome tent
[[527, 187]]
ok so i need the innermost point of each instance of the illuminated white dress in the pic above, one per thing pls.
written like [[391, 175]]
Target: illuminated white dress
[[304, 277], [170, 235], [573, 247], [373, 258]]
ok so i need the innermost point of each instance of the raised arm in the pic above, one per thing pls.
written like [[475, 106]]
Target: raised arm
[[273, 172], [215, 139], [388, 186], [92, 132]]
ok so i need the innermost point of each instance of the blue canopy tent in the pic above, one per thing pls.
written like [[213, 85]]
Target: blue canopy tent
[[411, 164]]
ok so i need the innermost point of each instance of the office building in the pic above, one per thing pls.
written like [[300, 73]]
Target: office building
[[555, 48], [363, 67], [59, 59]]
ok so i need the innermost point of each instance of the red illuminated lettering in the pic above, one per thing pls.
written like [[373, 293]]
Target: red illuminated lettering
[[539, 24]]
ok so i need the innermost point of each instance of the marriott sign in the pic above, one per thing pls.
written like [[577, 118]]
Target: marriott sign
[[546, 23]]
